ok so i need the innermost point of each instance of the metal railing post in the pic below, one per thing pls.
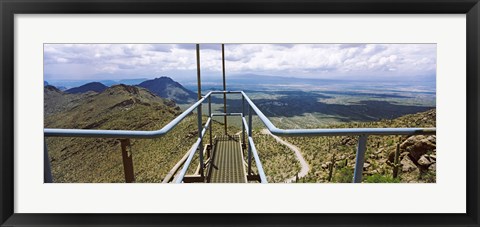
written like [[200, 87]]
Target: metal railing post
[[127, 160], [47, 171], [249, 145], [200, 147], [360, 158], [243, 126], [211, 123], [224, 89]]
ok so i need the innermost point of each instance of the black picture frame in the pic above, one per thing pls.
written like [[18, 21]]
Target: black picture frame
[[9, 8]]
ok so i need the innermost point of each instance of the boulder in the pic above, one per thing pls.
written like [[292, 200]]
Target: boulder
[[424, 161], [366, 165], [349, 141], [416, 146], [408, 165]]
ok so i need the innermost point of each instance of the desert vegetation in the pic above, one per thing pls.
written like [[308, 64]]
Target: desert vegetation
[[333, 158]]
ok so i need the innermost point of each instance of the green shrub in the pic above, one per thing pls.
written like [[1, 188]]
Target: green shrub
[[344, 175], [378, 178]]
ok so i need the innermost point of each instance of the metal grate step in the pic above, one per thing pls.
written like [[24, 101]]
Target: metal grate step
[[228, 161]]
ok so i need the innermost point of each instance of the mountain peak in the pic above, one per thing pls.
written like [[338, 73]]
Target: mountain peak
[[166, 87], [52, 88], [166, 78], [93, 86], [123, 87]]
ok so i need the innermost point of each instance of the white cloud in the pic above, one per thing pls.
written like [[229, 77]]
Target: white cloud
[[305, 60]]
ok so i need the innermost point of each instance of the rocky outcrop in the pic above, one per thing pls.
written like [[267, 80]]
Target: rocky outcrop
[[417, 157], [417, 146]]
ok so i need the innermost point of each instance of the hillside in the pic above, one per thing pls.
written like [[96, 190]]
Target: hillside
[[55, 100], [417, 162], [165, 87], [93, 86], [118, 107], [134, 108]]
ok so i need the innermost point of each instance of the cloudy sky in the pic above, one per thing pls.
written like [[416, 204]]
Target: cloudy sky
[[334, 61]]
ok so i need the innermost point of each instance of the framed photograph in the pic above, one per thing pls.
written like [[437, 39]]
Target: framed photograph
[[239, 113]]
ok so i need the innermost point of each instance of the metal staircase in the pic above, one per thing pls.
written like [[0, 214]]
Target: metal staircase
[[227, 165]]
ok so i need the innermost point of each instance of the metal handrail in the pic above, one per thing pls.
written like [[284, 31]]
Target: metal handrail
[[363, 134], [335, 132], [128, 134], [182, 173], [118, 134]]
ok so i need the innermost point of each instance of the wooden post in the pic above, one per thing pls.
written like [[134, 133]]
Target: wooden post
[[47, 171], [127, 160]]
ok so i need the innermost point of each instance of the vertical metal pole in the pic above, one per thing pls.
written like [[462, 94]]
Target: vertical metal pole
[[243, 126], [224, 89], [199, 83], [249, 145], [360, 158], [127, 160], [47, 171], [211, 123], [200, 147], [199, 111]]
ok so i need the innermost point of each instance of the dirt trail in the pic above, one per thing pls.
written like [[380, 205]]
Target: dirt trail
[[305, 167]]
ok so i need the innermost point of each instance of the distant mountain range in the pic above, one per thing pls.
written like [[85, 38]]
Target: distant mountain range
[[56, 101], [94, 86], [119, 107], [164, 87], [124, 81], [77, 83]]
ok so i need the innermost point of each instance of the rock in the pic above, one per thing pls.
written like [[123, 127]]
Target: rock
[[379, 151], [348, 141], [324, 166], [424, 161], [416, 146], [366, 165], [407, 164], [433, 167], [383, 160]]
